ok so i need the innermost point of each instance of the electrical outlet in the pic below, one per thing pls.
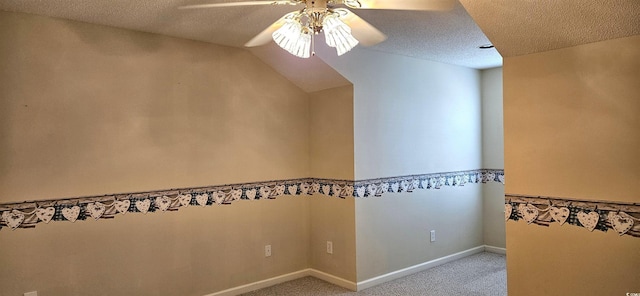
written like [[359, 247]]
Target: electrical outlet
[[329, 247], [34, 293], [433, 235], [267, 251]]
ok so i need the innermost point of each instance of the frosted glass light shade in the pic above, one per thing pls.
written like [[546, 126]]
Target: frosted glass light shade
[[338, 34], [292, 38]]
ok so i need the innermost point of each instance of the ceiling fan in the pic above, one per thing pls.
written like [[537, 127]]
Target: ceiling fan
[[343, 29]]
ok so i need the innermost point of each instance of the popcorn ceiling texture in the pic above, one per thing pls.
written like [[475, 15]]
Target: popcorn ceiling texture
[[449, 37], [524, 27], [514, 27]]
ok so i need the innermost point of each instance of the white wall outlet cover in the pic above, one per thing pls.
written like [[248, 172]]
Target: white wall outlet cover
[[432, 234], [329, 247], [267, 251]]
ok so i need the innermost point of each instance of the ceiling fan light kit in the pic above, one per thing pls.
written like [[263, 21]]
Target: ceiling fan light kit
[[296, 35], [337, 34], [343, 30], [294, 38]]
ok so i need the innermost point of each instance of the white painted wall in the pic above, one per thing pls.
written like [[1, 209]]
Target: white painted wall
[[413, 116], [493, 156]]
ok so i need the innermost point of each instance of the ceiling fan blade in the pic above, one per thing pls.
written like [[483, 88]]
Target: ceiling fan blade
[[402, 4], [364, 32], [230, 4], [266, 35]]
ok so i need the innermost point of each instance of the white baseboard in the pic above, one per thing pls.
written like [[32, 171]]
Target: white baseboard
[[417, 268], [262, 284], [333, 279], [285, 278], [362, 284], [496, 250]]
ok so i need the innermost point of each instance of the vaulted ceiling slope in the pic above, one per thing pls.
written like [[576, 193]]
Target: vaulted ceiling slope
[[515, 27], [450, 37], [518, 27]]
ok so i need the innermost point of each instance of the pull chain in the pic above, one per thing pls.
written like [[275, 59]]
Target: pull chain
[[313, 30], [313, 44]]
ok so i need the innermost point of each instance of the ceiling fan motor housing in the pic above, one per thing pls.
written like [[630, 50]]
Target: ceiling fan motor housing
[[315, 11], [316, 5]]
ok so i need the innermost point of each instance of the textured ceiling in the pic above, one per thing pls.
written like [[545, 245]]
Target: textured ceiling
[[515, 27], [519, 27], [449, 37]]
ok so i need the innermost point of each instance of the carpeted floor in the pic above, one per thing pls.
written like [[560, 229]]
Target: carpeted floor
[[478, 275]]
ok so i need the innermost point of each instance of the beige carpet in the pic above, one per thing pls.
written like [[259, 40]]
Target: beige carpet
[[482, 274]]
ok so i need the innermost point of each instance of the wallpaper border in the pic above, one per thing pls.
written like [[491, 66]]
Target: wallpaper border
[[621, 217], [27, 214]]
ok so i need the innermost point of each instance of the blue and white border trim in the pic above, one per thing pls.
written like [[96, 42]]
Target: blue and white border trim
[[378, 187], [27, 214], [623, 218]]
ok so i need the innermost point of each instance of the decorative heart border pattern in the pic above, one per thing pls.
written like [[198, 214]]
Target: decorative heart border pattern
[[378, 187], [623, 218], [111, 205]]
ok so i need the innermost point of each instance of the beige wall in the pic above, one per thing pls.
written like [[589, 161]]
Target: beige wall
[[331, 133], [195, 251], [572, 130], [87, 109], [331, 155], [493, 157]]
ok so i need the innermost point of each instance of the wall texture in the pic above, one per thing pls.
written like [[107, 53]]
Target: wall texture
[[331, 156], [493, 157], [571, 130], [88, 109], [410, 117]]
